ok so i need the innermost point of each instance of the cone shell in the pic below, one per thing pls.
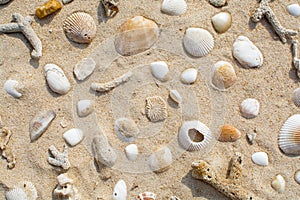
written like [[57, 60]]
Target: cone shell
[[289, 136], [80, 27], [229, 134], [198, 42], [137, 35], [174, 7], [224, 75]]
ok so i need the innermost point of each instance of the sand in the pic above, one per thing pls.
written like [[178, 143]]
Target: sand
[[272, 85]]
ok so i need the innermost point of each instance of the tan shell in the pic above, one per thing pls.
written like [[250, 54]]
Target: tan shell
[[224, 75], [229, 134], [156, 109], [80, 27], [137, 35]]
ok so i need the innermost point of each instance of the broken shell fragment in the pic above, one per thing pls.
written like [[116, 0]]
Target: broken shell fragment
[[146, 196], [229, 134], [175, 96], [111, 7], [160, 160], [223, 75], [48, 8], [189, 76], [159, 70], [131, 152], [103, 151], [278, 183], [84, 68], [249, 108], [260, 158], [126, 129], [137, 35], [120, 191], [156, 109], [251, 137], [85, 107], [73, 136], [39, 124], [80, 27], [12, 87], [221, 22], [174, 7], [198, 42]]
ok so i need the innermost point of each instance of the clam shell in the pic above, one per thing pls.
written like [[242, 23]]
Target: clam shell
[[221, 22], [278, 183], [229, 134], [175, 96], [39, 124], [249, 108], [146, 196], [198, 42], [120, 191], [160, 160], [85, 107], [12, 87], [223, 75], [131, 152], [156, 109], [189, 76], [174, 7], [137, 35], [260, 158], [289, 136], [126, 129], [73, 136], [84, 68], [194, 136], [159, 70], [80, 27]]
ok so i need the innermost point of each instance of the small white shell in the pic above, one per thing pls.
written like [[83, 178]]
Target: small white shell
[[278, 183], [73, 136], [126, 129], [294, 9], [174, 7], [16, 194], [29, 189], [85, 107], [160, 160], [147, 196], [131, 152], [175, 96], [194, 135], [289, 136], [297, 176], [189, 76], [84, 68], [224, 75], [222, 22], [159, 70], [296, 97], [198, 42], [56, 79], [156, 109], [260, 158], [249, 108], [120, 191], [12, 87]]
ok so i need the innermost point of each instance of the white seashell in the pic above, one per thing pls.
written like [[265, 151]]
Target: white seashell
[[56, 79], [73, 136], [194, 135], [85, 107], [297, 176], [84, 68], [131, 152], [294, 9], [249, 108], [156, 109], [103, 151], [24, 190], [247, 54], [120, 191], [289, 136], [146, 196], [12, 87], [126, 129], [16, 194], [160, 160], [296, 97], [174, 7], [223, 75], [80, 27], [260, 158], [39, 124], [67, 1], [175, 96], [278, 183], [189, 76], [222, 22], [159, 70], [198, 42]]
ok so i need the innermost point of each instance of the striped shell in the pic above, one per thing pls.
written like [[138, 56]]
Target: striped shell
[[156, 109], [147, 196], [194, 135], [174, 7], [198, 42], [137, 35], [16, 194], [289, 136], [24, 190], [80, 27]]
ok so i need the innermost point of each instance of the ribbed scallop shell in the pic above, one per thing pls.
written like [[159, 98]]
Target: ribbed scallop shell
[[80, 27], [174, 7], [24, 190], [198, 42], [197, 127], [224, 75], [289, 136], [137, 35], [16, 194]]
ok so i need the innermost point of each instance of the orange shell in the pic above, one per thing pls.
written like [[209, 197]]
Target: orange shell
[[229, 134], [48, 8]]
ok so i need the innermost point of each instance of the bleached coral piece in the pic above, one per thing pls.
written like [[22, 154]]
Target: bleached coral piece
[[7, 153], [60, 159], [65, 188]]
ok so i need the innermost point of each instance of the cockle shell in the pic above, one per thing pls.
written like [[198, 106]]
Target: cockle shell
[[278, 183], [120, 191], [39, 124], [198, 42], [189, 76], [85, 107], [24, 190], [84, 68], [12, 87], [223, 75], [80, 27], [137, 35], [126, 129], [159, 70], [174, 7], [160, 160], [260, 158], [249, 108], [56, 79], [131, 152], [175, 96], [16, 194], [229, 134], [147, 196], [156, 108], [48, 8], [221, 22], [73, 136], [289, 136], [194, 135]]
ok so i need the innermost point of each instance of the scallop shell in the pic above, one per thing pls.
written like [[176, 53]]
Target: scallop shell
[[289, 136], [222, 22], [137, 35], [198, 42], [194, 135], [146, 196], [229, 134], [126, 129], [174, 7], [16, 194], [249, 108], [24, 190], [80, 27], [156, 109], [224, 75]]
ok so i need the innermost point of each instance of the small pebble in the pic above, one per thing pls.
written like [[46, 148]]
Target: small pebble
[[84, 68], [260, 158], [131, 152], [218, 3], [85, 107], [159, 70], [189, 76], [294, 9], [73, 136], [251, 137], [297, 176], [278, 183], [221, 22], [103, 151]]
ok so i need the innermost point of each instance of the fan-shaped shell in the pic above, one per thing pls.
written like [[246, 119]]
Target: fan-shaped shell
[[137, 35], [289, 136], [24, 190], [80, 27], [224, 75], [194, 135], [156, 109], [174, 7], [16, 194], [198, 42]]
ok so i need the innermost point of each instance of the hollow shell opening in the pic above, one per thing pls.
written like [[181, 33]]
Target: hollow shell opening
[[195, 135]]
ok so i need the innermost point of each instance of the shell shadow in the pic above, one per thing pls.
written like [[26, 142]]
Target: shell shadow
[[46, 20], [293, 75], [78, 45], [5, 5]]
